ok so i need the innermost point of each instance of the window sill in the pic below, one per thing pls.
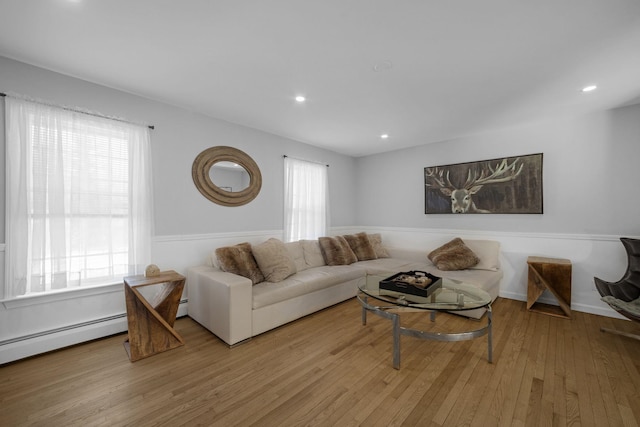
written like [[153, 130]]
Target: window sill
[[65, 294]]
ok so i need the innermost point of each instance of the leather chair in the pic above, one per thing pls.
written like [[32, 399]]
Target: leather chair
[[624, 295]]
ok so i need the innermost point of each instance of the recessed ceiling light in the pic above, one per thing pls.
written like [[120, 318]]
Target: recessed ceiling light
[[384, 136], [300, 98], [589, 88], [385, 65]]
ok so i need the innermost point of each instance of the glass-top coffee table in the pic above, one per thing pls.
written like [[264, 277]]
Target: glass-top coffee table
[[451, 296]]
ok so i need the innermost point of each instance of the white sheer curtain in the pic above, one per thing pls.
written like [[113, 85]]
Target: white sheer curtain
[[79, 199], [306, 195]]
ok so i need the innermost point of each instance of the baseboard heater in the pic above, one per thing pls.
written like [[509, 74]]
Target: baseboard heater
[[68, 328]]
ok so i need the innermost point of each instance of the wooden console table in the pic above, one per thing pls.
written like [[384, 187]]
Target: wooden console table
[[554, 275], [151, 323]]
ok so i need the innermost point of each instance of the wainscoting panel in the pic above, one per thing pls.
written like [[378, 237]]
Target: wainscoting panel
[[27, 330], [2, 257], [43, 324], [53, 339], [591, 255], [181, 252]]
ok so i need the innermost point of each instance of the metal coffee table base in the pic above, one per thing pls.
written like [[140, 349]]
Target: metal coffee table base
[[438, 336]]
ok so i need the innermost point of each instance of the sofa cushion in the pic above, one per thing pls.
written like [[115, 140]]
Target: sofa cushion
[[376, 242], [336, 251], [239, 260], [274, 260], [488, 281], [488, 251], [454, 255], [361, 246], [390, 266], [303, 283], [312, 253], [297, 255]]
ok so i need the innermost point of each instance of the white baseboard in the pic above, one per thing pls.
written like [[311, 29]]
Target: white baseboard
[[591, 309], [15, 349]]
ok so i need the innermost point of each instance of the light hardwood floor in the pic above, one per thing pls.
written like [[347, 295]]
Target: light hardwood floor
[[328, 369]]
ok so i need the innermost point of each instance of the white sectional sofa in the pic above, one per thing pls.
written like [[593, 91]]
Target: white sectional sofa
[[235, 309]]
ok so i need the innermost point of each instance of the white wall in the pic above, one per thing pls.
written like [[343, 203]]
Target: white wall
[[181, 212], [590, 198], [590, 177], [179, 136]]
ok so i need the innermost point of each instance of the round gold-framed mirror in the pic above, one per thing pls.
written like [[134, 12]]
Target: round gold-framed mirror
[[201, 173]]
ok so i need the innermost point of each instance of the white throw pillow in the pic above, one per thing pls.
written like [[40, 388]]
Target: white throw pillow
[[376, 242], [312, 253], [213, 260], [295, 250]]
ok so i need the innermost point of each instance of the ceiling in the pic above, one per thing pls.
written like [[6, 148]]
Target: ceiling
[[421, 71]]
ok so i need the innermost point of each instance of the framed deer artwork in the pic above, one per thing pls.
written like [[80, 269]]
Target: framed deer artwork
[[511, 185]]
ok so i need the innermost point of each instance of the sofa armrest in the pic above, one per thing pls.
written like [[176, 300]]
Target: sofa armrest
[[221, 302]]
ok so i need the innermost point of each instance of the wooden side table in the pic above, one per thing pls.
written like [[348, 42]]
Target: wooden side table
[[554, 275], [151, 323]]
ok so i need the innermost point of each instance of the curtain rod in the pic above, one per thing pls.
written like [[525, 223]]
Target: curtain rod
[[305, 160], [75, 110]]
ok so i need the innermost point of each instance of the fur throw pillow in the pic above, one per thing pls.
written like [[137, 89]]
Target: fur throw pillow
[[239, 260], [454, 255], [274, 260], [336, 251], [361, 246]]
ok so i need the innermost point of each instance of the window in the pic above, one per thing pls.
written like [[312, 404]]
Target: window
[[79, 205], [305, 199]]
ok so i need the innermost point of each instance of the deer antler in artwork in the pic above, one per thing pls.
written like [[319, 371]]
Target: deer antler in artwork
[[503, 172], [437, 178]]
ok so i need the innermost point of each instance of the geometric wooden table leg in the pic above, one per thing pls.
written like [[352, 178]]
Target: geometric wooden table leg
[[166, 302], [553, 275], [151, 324], [536, 287]]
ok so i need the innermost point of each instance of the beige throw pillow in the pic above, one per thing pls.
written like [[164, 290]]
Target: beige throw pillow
[[239, 260], [274, 260], [336, 251], [376, 242], [361, 246], [454, 255]]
